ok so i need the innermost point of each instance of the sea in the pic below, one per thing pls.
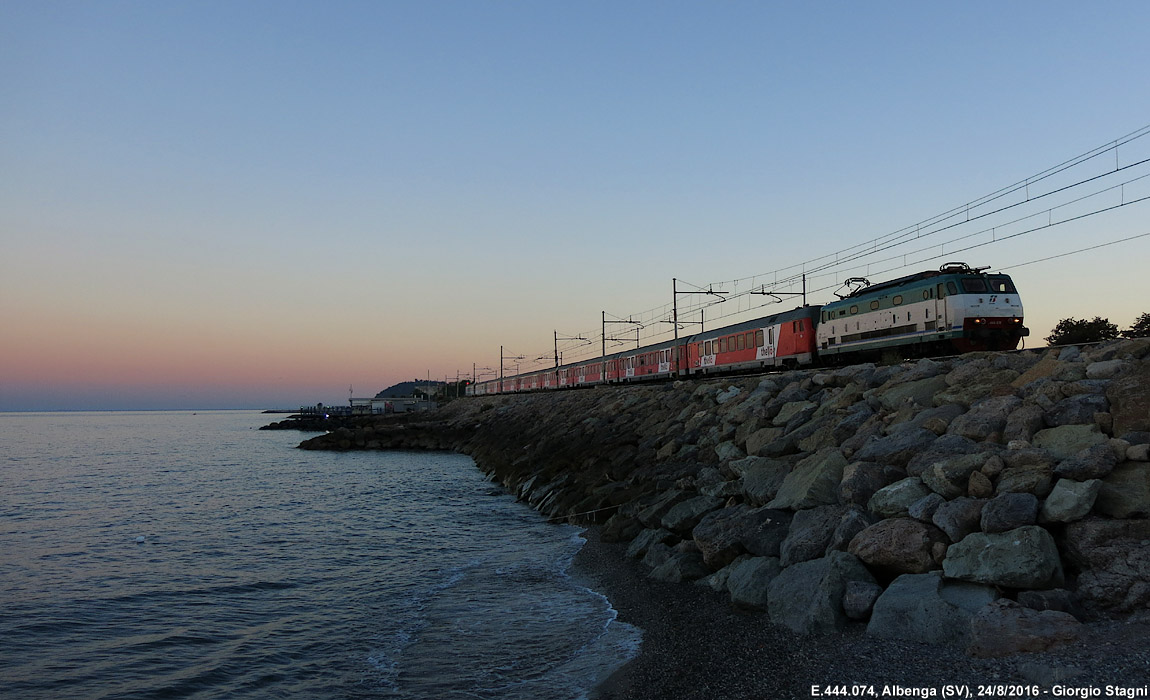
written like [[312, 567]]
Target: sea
[[190, 555]]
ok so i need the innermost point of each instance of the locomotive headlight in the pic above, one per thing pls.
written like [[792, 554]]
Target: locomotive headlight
[[980, 320]]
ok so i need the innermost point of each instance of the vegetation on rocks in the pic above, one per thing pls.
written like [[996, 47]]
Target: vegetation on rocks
[[994, 500]]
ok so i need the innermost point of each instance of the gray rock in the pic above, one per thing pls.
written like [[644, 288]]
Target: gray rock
[[1066, 441], [750, 580], [1113, 559], [758, 441], [859, 599], [639, 546], [1125, 492], [852, 523], [1023, 423], [896, 449], [810, 534], [1106, 369], [979, 387], [947, 447], [924, 508], [652, 516], [1009, 511], [925, 608], [1092, 463], [683, 517], [790, 410], [948, 477], [862, 479], [761, 482], [680, 567], [1129, 397], [985, 418], [930, 419], [657, 555], [1070, 501], [959, 518], [1034, 479], [813, 482], [807, 597], [770, 529], [1022, 558], [1077, 410], [897, 546], [724, 396], [728, 451], [894, 501], [1138, 453], [920, 392], [1005, 627], [722, 534]]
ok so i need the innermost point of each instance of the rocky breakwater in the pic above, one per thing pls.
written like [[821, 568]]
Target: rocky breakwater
[[993, 501]]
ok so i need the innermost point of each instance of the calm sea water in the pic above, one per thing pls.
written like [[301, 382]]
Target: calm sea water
[[172, 554]]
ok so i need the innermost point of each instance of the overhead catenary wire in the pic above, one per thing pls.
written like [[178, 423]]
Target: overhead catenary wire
[[862, 258]]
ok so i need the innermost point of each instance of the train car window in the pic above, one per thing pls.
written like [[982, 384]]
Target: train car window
[[842, 312], [742, 342], [926, 294], [973, 285], [708, 346], [897, 299], [824, 317], [854, 309], [722, 345], [941, 291], [874, 305], [1002, 285], [951, 288], [759, 338]]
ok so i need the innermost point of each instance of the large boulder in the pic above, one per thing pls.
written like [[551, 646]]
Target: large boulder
[[684, 516], [1065, 441], [897, 546], [921, 392], [926, 608], [646, 539], [750, 580], [985, 418], [1125, 492], [807, 597], [813, 482], [723, 534], [1069, 501], [895, 500], [897, 448], [1023, 558], [1008, 511], [1092, 463], [862, 479], [1129, 397], [949, 477], [1113, 559], [1005, 627], [810, 534], [762, 477], [1077, 410], [680, 567], [959, 518]]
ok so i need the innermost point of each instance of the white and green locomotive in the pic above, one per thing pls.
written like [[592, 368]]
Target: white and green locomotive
[[954, 309]]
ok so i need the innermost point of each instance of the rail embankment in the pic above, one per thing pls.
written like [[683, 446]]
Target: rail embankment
[[995, 500]]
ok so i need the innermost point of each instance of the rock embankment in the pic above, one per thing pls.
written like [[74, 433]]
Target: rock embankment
[[994, 501]]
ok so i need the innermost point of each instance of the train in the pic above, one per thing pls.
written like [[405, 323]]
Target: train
[[953, 309]]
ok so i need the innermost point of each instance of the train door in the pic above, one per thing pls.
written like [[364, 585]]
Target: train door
[[940, 310]]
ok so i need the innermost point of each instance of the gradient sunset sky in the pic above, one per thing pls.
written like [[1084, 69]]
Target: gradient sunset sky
[[259, 204]]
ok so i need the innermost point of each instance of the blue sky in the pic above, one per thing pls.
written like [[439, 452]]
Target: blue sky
[[261, 203]]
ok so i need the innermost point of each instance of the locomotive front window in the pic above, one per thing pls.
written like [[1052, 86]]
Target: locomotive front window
[[973, 285], [1002, 285], [951, 288]]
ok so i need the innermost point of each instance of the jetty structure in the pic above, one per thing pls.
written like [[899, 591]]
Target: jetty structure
[[994, 501]]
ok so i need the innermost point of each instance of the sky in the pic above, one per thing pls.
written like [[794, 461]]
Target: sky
[[272, 203]]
